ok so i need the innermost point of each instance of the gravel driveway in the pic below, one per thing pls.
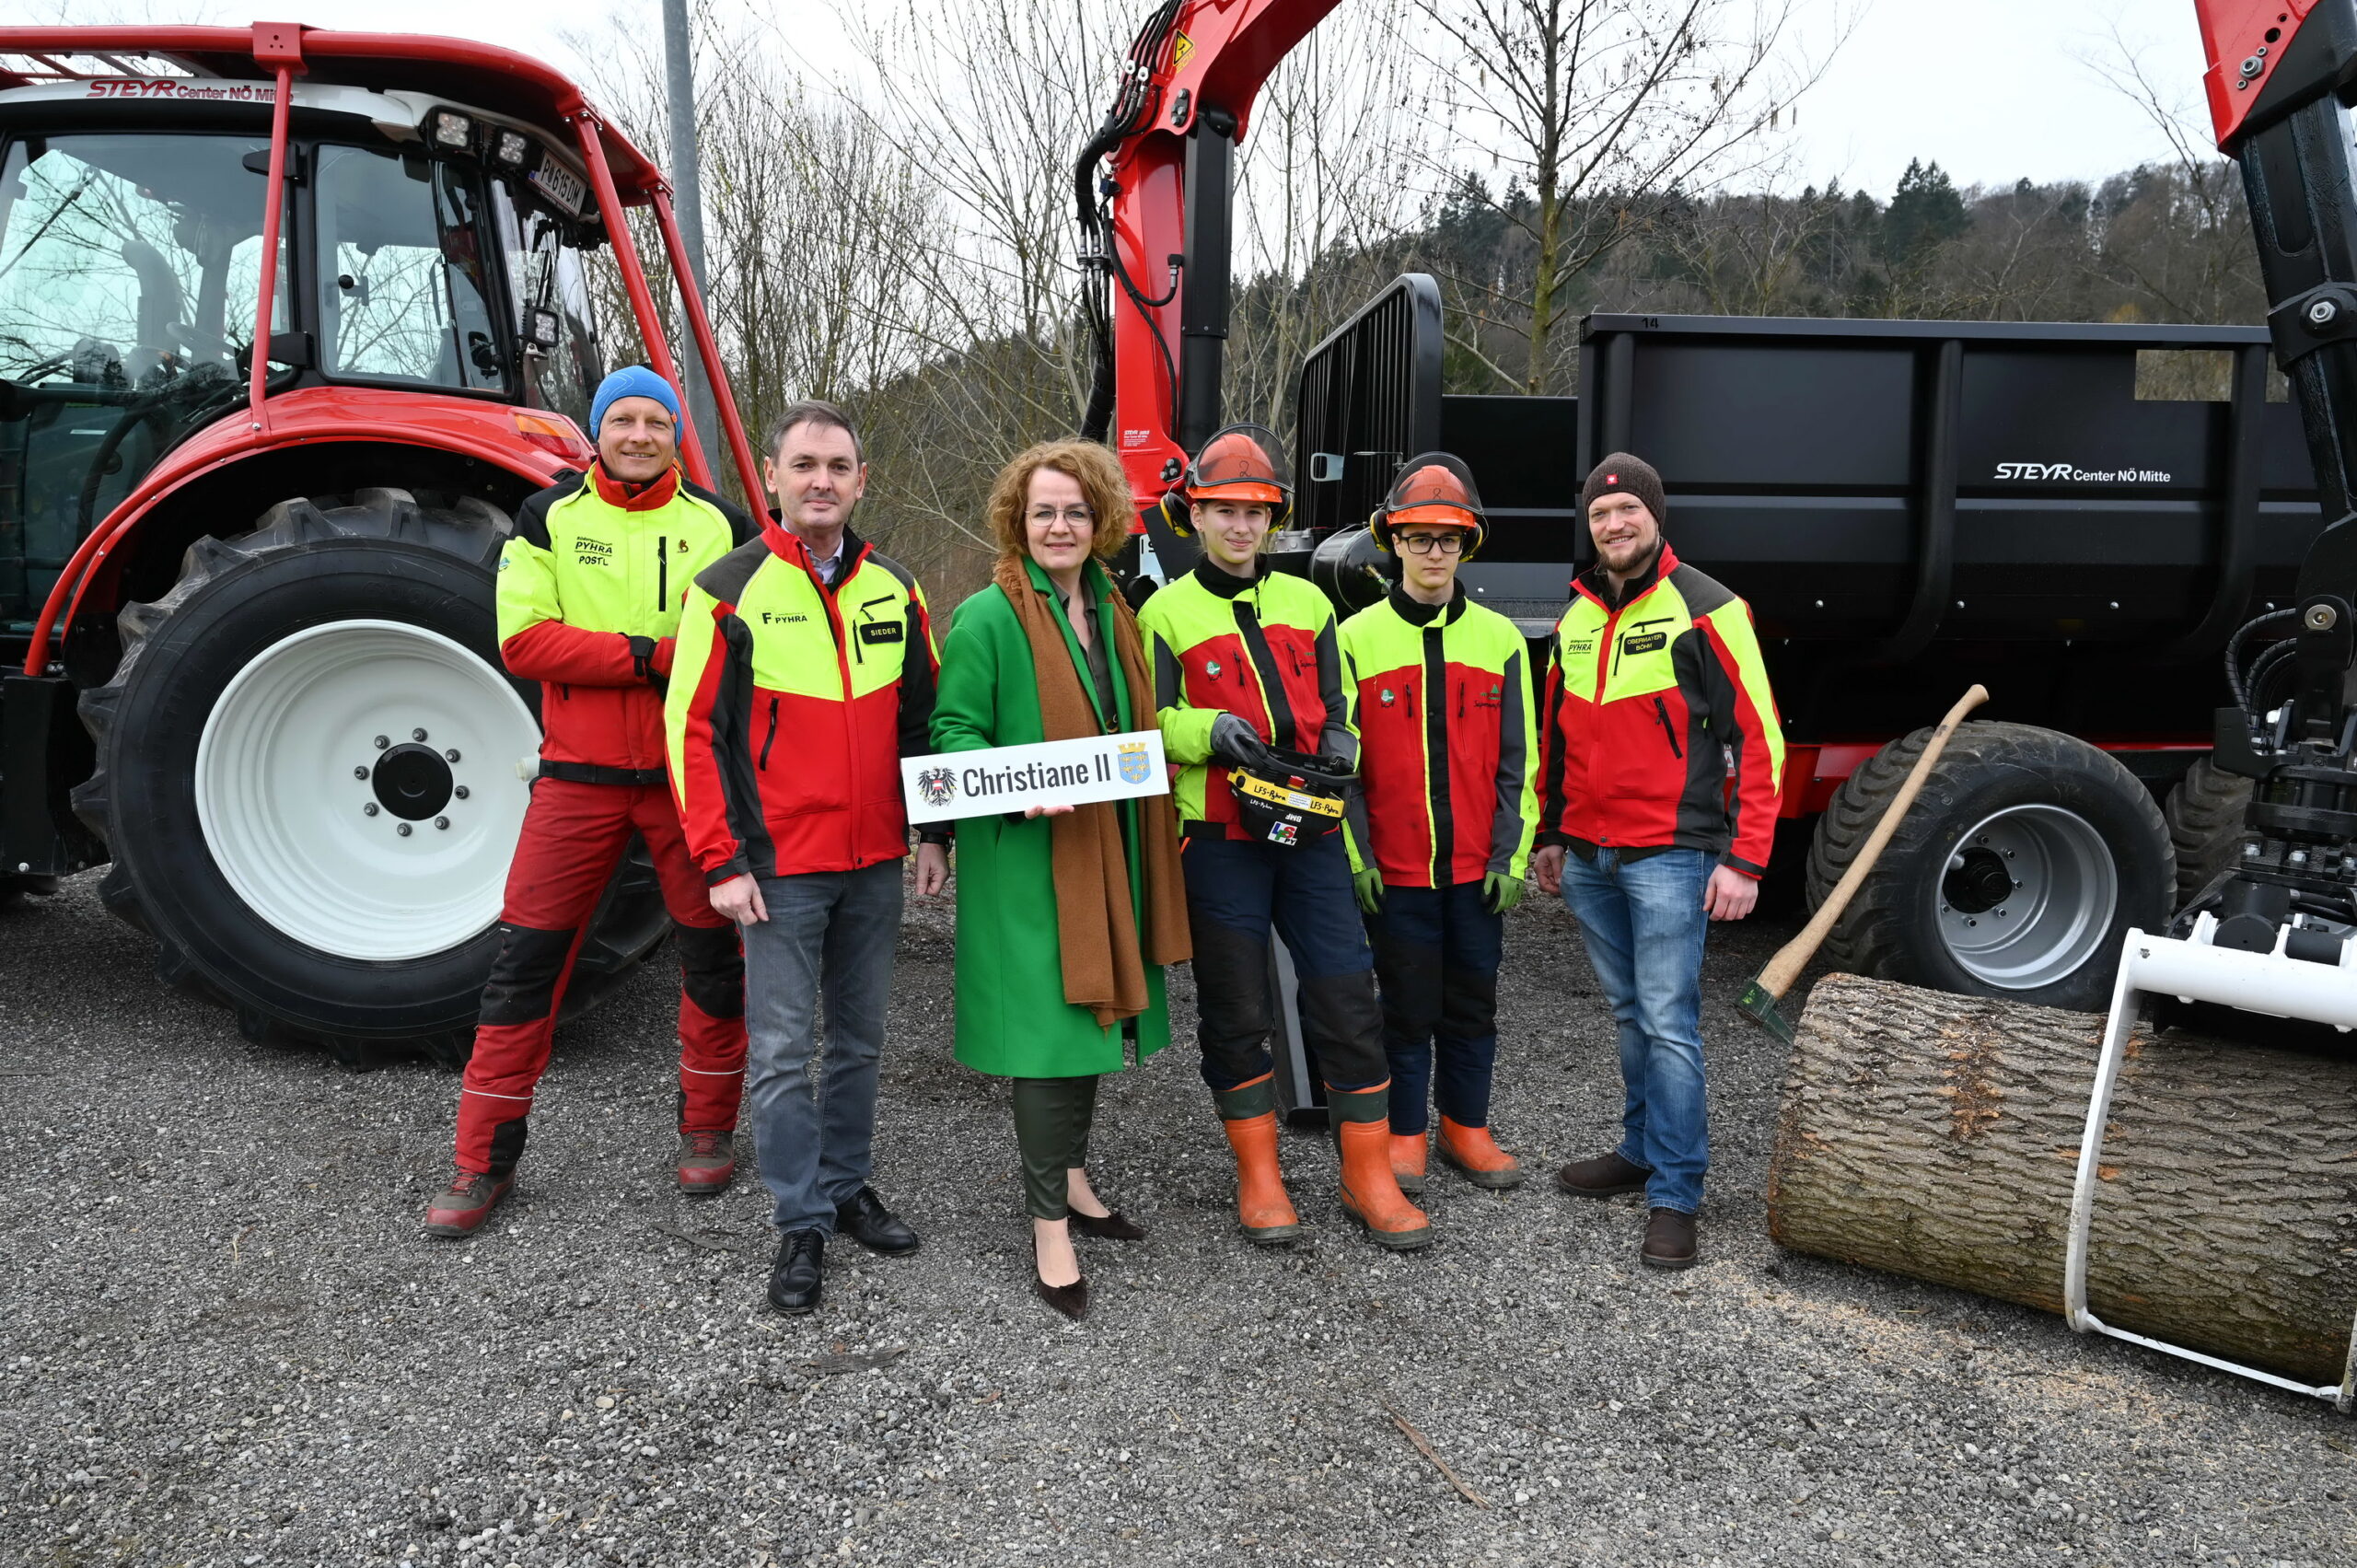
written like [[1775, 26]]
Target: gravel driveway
[[225, 1342]]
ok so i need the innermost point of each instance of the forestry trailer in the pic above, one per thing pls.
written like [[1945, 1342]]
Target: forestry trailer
[[290, 322]]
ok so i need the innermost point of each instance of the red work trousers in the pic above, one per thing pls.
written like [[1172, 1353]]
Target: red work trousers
[[574, 835]]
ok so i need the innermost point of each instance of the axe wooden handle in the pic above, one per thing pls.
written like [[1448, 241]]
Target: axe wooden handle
[[1776, 975]]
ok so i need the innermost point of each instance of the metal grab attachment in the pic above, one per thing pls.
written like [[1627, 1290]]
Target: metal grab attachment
[[2195, 971]]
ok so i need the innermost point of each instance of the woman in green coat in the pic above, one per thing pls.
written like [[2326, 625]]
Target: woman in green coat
[[1065, 914]]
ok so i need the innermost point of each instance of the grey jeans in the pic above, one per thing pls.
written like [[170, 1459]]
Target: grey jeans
[[830, 940]]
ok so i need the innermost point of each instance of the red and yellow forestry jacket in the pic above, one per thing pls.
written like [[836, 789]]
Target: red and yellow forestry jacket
[[1447, 755], [791, 706], [590, 587], [1651, 704], [1261, 647]]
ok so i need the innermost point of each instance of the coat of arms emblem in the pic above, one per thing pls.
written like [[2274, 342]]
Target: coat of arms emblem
[[1135, 763], [936, 785]]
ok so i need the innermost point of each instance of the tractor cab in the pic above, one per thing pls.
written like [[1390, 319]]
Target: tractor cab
[[428, 247]]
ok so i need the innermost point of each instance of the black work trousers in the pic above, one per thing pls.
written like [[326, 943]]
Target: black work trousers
[[1235, 892], [1436, 953]]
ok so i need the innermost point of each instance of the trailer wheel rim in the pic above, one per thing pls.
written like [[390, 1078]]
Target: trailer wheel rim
[[2025, 897], [357, 786]]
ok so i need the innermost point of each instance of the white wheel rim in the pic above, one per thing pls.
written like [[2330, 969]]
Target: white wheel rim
[[309, 736]]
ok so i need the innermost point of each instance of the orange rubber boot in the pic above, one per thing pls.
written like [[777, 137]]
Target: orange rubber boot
[[1408, 1161], [1474, 1152], [1370, 1192], [1249, 1114]]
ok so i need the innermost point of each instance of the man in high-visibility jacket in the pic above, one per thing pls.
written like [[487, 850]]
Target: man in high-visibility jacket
[[1248, 667], [806, 673], [1439, 846], [589, 590], [1656, 694]]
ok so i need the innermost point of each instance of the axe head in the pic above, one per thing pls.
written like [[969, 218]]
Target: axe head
[[1758, 1003]]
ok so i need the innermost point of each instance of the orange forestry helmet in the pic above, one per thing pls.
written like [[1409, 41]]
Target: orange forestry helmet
[[1243, 462], [1434, 490]]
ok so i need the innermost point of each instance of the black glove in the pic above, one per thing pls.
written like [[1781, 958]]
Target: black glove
[[1235, 741]]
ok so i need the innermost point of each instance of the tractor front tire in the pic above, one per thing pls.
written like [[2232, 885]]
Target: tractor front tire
[[2205, 816], [2016, 874], [312, 772]]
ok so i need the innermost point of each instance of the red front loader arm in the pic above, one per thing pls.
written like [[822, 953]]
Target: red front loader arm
[[1155, 226]]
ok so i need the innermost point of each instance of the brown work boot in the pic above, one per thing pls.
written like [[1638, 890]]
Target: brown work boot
[[1670, 1240], [1408, 1161], [1602, 1177], [1474, 1152], [1361, 1122], [707, 1162], [459, 1210]]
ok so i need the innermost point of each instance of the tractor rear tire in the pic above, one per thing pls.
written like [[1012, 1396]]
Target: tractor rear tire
[[311, 771], [2205, 818], [2016, 874]]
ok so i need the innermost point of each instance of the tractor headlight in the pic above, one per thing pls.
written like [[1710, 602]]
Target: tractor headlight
[[453, 129], [511, 149]]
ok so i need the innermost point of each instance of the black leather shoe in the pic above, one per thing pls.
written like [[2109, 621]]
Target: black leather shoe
[[1115, 1226], [867, 1220], [794, 1283], [1071, 1300]]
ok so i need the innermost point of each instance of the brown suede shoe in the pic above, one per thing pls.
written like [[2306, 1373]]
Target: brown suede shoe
[[1670, 1240], [707, 1163], [459, 1209], [1602, 1177]]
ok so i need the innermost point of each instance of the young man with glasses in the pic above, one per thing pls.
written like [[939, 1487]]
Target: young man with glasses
[[1442, 834]]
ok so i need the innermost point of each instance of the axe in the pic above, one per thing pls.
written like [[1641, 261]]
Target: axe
[[1767, 988]]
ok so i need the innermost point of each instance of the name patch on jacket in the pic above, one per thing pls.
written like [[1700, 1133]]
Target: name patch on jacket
[[881, 631], [1645, 643]]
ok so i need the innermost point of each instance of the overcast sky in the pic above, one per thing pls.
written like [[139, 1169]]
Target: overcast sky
[[1992, 89]]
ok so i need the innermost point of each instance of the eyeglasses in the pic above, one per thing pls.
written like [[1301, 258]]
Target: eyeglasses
[[1076, 517], [1429, 544]]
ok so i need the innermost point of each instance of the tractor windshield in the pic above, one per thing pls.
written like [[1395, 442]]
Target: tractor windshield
[[403, 293], [551, 292], [128, 269]]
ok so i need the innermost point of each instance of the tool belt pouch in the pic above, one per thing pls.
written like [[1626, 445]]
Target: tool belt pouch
[[1297, 799]]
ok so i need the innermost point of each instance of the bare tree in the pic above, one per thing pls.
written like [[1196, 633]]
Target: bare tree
[[1590, 113]]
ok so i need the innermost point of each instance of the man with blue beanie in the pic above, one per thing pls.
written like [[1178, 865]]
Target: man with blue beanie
[[590, 587]]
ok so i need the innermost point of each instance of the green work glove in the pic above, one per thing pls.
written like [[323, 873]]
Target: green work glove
[[1368, 885], [1501, 893]]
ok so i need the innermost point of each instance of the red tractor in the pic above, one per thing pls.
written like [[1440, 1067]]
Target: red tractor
[[246, 592]]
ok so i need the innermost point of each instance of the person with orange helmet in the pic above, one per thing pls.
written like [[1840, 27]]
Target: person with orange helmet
[[1440, 841], [1255, 713]]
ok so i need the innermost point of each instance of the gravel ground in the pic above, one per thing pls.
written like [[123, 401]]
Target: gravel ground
[[225, 1342]]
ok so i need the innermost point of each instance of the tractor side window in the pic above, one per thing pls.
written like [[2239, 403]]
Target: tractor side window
[[129, 271], [402, 291], [548, 284]]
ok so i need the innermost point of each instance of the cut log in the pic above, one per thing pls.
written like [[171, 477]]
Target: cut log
[[1937, 1136]]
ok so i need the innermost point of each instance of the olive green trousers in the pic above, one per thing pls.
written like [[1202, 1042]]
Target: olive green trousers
[[1051, 1122]]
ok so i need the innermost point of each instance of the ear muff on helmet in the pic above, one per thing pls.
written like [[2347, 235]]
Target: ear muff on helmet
[[1436, 490], [1177, 513]]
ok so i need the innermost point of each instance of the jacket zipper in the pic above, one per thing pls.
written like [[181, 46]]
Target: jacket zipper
[[563, 692], [662, 573], [1611, 620], [771, 738], [1661, 712]]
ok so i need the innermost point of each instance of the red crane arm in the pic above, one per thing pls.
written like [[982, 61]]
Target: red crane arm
[[1157, 224]]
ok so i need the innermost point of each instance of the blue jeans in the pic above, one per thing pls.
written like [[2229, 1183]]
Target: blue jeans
[[829, 938], [1643, 924]]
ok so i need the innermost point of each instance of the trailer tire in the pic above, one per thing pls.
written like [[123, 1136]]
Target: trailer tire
[[2205, 818], [290, 864], [2011, 815]]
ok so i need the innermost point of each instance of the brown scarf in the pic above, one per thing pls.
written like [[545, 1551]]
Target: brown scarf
[[1096, 928]]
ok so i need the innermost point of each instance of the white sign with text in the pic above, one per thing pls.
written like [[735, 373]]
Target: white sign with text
[[949, 785]]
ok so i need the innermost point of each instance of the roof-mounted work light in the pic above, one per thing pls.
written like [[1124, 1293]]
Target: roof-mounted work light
[[511, 149], [453, 129]]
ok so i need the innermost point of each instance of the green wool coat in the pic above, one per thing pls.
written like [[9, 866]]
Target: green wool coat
[[1013, 1020]]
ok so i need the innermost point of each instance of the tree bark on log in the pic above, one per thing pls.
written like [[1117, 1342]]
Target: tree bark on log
[[1937, 1136]]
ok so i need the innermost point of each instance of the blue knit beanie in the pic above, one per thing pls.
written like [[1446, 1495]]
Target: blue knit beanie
[[630, 381]]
